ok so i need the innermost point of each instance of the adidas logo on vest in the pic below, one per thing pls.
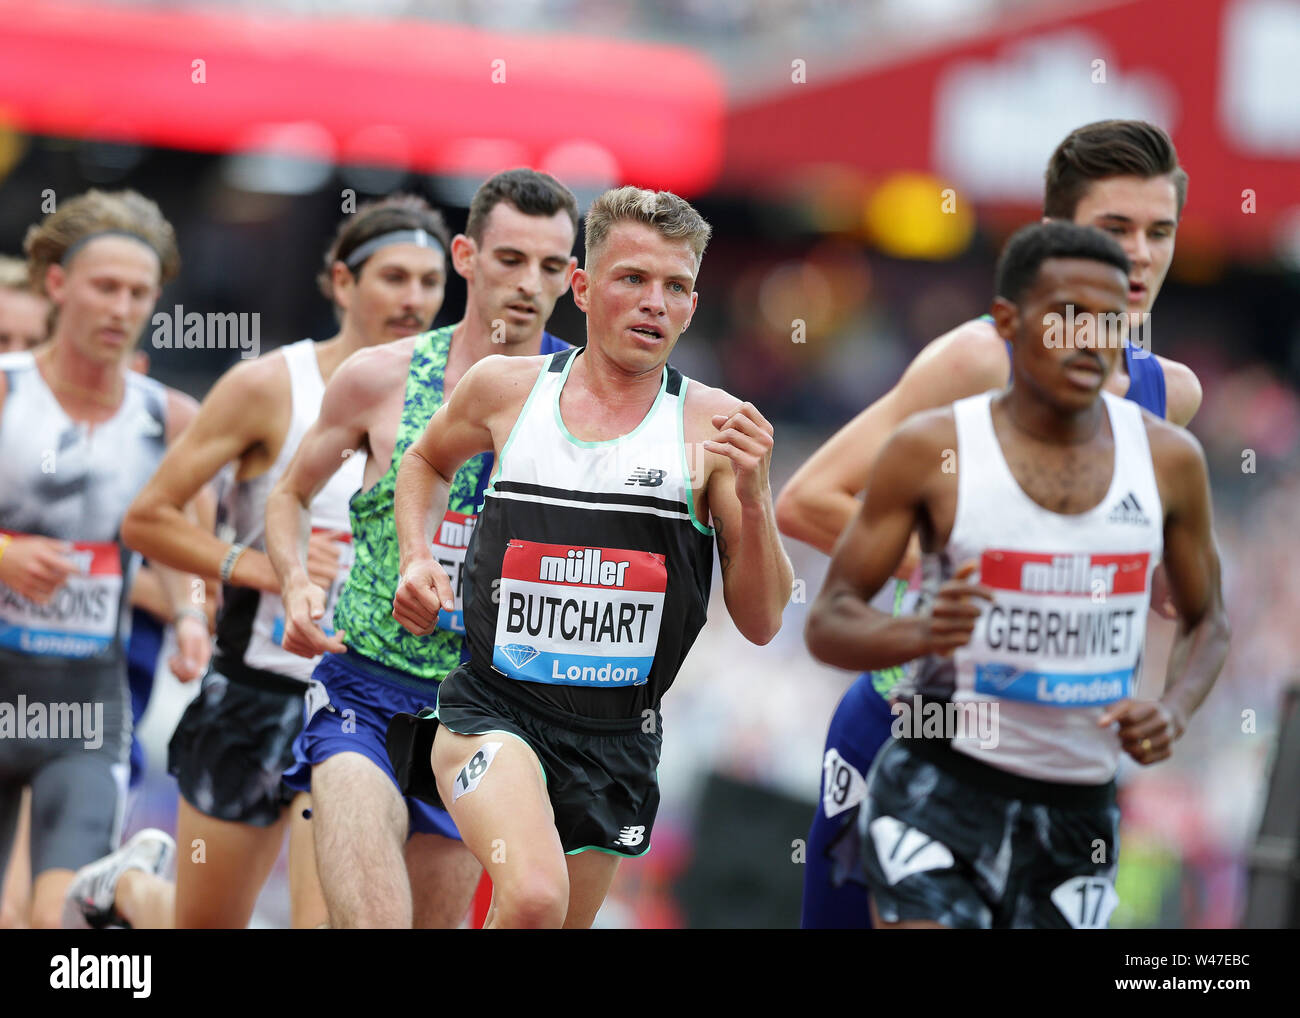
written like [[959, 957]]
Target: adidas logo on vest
[[1128, 511]]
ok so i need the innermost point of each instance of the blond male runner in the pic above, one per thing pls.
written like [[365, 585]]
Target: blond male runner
[[383, 861], [590, 570]]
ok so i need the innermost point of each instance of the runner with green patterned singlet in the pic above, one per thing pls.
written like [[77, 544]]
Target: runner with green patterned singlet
[[388, 860], [365, 607]]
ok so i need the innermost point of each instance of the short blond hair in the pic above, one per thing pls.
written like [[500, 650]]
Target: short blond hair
[[79, 218], [672, 216], [13, 274]]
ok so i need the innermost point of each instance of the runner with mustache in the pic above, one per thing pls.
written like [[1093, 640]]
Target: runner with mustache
[[384, 273], [386, 861]]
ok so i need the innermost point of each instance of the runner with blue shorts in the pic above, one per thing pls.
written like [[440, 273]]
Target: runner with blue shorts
[[385, 860]]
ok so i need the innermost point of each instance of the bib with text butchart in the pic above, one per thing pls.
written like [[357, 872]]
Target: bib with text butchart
[[578, 616]]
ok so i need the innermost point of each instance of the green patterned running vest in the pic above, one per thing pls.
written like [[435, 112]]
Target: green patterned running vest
[[365, 607]]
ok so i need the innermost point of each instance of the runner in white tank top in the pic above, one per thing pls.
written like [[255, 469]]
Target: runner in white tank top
[[79, 435], [385, 276], [1043, 511]]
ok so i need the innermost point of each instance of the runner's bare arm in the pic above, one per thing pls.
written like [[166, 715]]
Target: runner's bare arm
[[156, 523], [757, 577], [485, 403], [1182, 392], [306, 563], [843, 628], [1191, 561], [336, 434], [187, 590], [819, 501]]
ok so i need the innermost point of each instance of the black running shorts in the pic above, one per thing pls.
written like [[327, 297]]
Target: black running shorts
[[950, 839], [234, 742], [601, 775]]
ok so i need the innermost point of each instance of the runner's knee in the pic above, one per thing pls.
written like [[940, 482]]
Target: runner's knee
[[536, 898]]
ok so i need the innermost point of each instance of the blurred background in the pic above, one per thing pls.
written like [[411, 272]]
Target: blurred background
[[820, 138]]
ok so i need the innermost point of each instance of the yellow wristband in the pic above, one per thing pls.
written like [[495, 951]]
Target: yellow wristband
[[5, 541]]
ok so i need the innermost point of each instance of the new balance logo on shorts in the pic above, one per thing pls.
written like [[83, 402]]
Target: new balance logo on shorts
[[1128, 511], [648, 477], [631, 836]]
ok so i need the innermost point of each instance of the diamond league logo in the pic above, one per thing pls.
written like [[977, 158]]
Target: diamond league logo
[[999, 676], [519, 653]]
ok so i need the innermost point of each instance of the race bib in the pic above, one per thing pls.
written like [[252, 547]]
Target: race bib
[[1084, 613], [843, 785], [1086, 902], [449, 545], [80, 620], [578, 616]]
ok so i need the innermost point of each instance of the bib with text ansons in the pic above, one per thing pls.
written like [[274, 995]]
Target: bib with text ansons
[[1084, 613], [578, 616], [80, 620]]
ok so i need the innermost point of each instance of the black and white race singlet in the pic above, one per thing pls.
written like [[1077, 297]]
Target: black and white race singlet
[[1063, 637], [67, 479], [251, 627], [589, 572]]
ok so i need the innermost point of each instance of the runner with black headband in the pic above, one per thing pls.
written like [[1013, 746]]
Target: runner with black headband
[[385, 860]]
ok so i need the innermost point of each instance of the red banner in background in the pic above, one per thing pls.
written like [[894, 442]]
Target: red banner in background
[[985, 114], [428, 97]]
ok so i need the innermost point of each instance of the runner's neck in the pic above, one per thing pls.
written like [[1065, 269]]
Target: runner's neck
[[613, 387], [87, 390], [1043, 422]]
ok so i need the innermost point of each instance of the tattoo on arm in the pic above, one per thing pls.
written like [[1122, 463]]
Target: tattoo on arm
[[723, 557]]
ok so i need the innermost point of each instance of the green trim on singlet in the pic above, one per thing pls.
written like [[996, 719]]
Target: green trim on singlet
[[564, 377], [364, 611], [884, 680], [686, 464]]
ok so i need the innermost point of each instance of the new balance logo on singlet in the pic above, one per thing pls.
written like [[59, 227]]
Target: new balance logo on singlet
[[1128, 511], [648, 477]]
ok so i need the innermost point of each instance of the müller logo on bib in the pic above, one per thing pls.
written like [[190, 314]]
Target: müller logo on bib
[[1078, 574], [1065, 629], [583, 616]]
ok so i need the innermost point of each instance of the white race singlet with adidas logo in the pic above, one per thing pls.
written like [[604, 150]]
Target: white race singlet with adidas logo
[[1063, 637]]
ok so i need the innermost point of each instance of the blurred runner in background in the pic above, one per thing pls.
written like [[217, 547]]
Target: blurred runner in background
[[68, 409]]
